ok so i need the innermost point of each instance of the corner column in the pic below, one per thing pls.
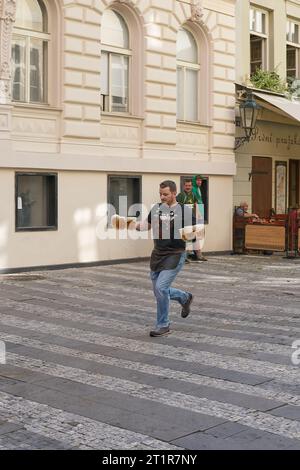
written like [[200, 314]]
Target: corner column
[[7, 18]]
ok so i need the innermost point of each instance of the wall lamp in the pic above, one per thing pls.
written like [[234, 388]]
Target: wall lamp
[[248, 114]]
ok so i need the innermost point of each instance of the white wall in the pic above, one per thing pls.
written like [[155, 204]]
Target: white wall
[[81, 197]]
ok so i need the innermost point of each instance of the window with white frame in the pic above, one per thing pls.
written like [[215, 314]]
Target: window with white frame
[[188, 69], [30, 52], [292, 49], [115, 63], [258, 40]]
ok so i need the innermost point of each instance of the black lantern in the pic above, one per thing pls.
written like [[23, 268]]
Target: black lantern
[[248, 114]]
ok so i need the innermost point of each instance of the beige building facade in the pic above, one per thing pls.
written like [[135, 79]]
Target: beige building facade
[[268, 167], [102, 98]]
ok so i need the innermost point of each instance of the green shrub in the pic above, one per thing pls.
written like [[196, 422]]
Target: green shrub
[[266, 80]]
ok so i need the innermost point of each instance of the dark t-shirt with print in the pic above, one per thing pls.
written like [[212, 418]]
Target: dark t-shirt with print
[[165, 223]]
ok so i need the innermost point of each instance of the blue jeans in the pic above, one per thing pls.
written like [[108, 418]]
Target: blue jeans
[[163, 292]]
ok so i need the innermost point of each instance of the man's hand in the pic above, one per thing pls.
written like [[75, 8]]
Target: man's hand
[[143, 226]]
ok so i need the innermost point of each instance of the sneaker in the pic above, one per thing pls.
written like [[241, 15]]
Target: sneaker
[[201, 258], [187, 261], [165, 330], [186, 308]]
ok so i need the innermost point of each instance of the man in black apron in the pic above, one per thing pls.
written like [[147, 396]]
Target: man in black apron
[[168, 256]]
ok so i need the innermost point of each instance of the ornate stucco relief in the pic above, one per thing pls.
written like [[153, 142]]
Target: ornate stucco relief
[[7, 18], [197, 11]]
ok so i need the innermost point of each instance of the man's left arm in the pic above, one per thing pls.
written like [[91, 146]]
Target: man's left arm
[[195, 216], [188, 216]]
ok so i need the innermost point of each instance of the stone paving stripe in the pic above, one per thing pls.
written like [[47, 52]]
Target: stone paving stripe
[[259, 441], [73, 430], [163, 372], [63, 301], [90, 319], [240, 319], [135, 356], [7, 427], [250, 305], [23, 440], [289, 374], [248, 417], [288, 411]]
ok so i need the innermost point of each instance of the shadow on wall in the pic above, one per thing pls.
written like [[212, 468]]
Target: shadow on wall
[[85, 222], [97, 240]]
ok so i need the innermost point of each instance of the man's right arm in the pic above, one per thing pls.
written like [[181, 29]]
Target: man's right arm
[[247, 215], [145, 225]]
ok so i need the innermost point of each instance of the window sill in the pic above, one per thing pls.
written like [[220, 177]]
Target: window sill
[[45, 107], [193, 123], [120, 115], [35, 229]]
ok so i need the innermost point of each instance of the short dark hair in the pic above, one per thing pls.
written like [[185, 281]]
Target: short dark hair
[[169, 184], [187, 180]]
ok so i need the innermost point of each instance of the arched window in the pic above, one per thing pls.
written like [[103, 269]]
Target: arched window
[[115, 60], [187, 77], [29, 52]]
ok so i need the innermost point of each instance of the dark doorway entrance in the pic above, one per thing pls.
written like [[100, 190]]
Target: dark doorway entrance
[[261, 186], [294, 177]]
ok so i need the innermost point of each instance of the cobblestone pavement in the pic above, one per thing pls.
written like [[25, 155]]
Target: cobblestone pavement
[[82, 372]]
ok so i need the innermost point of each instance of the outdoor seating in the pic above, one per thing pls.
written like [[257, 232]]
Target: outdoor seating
[[277, 233]]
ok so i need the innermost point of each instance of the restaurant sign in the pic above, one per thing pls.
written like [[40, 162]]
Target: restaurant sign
[[279, 139]]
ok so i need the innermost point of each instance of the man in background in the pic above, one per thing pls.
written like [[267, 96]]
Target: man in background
[[188, 198], [242, 210]]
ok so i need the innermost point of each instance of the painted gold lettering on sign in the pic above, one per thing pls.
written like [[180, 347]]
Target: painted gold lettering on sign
[[289, 141]]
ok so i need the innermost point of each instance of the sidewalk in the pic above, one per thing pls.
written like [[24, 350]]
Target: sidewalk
[[82, 372]]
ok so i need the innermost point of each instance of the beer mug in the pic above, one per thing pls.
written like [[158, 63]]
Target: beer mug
[[131, 223], [199, 231], [190, 232], [187, 233], [121, 223], [117, 222]]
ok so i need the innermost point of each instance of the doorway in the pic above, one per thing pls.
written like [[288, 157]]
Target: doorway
[[261, 186], [294, 178]]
